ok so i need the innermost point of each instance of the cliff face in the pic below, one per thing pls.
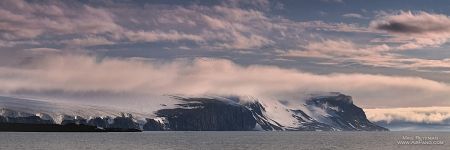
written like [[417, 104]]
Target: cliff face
[[120, 122], [343, 113], [205, 114], [324, 113], [335, 112]]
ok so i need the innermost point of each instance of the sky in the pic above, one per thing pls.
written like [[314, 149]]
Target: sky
[[387, 55]]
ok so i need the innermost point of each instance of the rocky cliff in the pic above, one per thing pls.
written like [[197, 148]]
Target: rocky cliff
[[331, 112]]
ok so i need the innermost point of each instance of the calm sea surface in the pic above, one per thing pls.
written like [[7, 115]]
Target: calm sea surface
[[227, 140]]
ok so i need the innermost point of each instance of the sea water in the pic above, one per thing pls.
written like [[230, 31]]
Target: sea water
[[226, 140]]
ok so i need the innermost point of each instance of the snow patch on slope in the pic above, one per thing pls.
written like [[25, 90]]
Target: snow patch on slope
[[279, 113]]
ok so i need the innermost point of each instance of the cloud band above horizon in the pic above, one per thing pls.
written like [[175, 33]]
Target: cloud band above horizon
[[72, 74]]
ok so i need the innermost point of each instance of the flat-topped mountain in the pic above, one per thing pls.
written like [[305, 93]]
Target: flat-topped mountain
[[327, 112]]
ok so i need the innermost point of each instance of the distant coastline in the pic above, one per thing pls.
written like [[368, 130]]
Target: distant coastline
[[24, 127], [329, 112]]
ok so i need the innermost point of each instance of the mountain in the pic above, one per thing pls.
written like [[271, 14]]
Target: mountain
[[22, 112], [325, 112]]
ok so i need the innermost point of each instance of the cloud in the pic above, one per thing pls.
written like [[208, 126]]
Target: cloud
[[70, 75], [220, 27], [333, 1], [154, 36], [21, 19], [29, 20], [235, 25], [336, 49], [261, 4], [42, 50], [88, 41], [420, 29], [427, 115], [354, 15], [342, 51], [411, 118], [413, 23]]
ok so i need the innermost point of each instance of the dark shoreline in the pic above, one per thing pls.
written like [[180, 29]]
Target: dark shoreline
[[22, 127]]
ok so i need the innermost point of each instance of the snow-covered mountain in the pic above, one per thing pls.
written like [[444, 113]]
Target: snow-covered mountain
[[325, 112]]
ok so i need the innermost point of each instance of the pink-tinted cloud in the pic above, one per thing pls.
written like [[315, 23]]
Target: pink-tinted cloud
[[226, 26], [83, 74], [354, 15], [427, 115], [340, 51], [420, 29], [223, 27], [21, 19]]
